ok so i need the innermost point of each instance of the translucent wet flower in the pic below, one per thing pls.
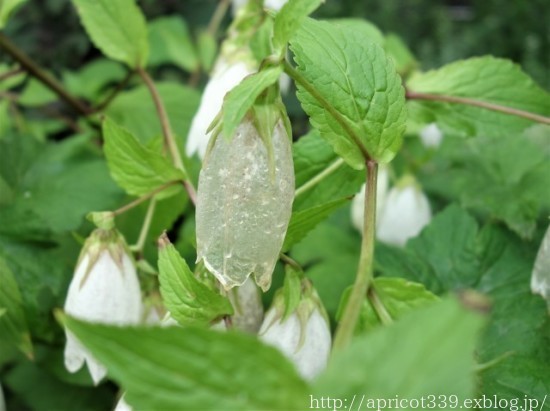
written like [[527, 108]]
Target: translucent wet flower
[[225, 76], [303, 337], [244, 204], [104, 289], [540, 277], [405, 213]]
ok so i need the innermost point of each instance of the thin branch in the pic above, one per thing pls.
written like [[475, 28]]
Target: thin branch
[[53, 84], [145, 227], [379, 308], [346, 327], [169, 138], [319, 177], [413, 95], [217, 17], [11, 73], [143, 198], [120, 86]]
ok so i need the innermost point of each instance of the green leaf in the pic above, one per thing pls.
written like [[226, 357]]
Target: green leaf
[[7, 7], [241, 98], [117, 28], [358, 102], [207, 48], [53, 185], [504, 178], [428, 352], [289, 19], [303, 221], [91, 80], [485, 79], [292, 290], [36, 94], [189, 301], [321, 176], [171, 42], [13, 325], [134, 167], [135, 110], [397, 296], [202, 369]]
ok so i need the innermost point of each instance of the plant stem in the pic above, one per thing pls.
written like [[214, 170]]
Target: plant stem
[[217, 17], [413, 95], [378, 305], [30, 66], [143, 198], [11, 73], [346, 327], [169, 138], [120, 86], [319, 177], [310, 88], [145, 226]]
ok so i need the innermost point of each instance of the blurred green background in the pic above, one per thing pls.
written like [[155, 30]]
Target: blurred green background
[[436, 31]]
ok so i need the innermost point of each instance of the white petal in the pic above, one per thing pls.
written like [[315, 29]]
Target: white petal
[[2, 403], [247, 304], [122, 405], [243, 210], [110, 294], [275, 5], [540, 278], [431, 135], [312, 356], [406, 211], [224, 77]]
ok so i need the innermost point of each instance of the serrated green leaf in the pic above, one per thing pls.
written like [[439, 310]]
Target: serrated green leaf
[[485, 79], [171, 42], [117, 28], [241, 98], [90, 81], [397, 297], [7, 7], [428, 352], [13, 325], [289, 19], [321, 176], [504, 178], [135, 168], [193, 367], [189, 301], [303, 221], [360, 84]]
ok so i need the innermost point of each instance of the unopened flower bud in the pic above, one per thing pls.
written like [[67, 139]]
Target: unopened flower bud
[[244, 201], [540, 278], [104, 289], [303, 336], [405, 212], [225, 76], [431, 136]]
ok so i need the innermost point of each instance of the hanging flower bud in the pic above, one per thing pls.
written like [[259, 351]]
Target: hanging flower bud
[[431, 136], [358, 204], [104, 289], [244, 199], [540, 278], [225, 76], [405, 212], [303, 335]]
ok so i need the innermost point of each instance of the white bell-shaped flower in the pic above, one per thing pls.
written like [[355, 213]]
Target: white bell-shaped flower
[[405, 212], [274, 5], [244, 203], [225, 76], [540, 278], [431, 136], [303, 336], [104, 289], [358, 204]]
